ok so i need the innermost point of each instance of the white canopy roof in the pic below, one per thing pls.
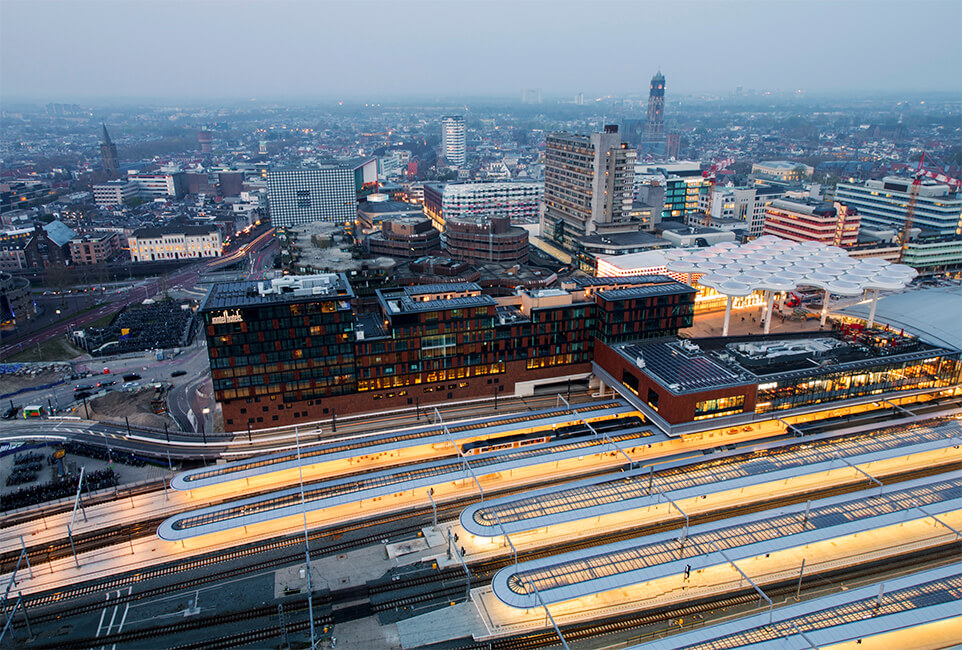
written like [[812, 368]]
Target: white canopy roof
[[775, 264]]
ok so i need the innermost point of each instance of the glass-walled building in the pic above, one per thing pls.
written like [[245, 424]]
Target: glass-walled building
[[684, 380]]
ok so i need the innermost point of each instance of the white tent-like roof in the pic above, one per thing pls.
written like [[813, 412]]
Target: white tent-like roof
[[773, 264]]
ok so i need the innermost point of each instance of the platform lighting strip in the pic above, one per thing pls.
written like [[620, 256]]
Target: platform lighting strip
[[929, 594], [323, 491], [644, 556], [707, 473], [414, 435]]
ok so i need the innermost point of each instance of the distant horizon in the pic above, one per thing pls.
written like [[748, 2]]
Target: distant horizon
[[286, 50], [428, 99]]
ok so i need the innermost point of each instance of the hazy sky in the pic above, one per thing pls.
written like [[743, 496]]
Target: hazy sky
[[360, 49]]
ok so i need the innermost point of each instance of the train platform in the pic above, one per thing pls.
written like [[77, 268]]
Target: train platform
[[710, 559], [920, 610], [402, 445], [734, 478], [375, 493]]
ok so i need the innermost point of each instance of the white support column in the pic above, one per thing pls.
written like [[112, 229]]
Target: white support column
[[728, 315], [768, 311], [871, 313], [824, 308]]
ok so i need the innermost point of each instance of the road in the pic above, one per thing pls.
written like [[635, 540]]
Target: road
[[183, 278], [230, 445]]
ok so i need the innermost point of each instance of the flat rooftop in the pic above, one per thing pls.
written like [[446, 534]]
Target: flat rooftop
[[692, 365], [286, 290]]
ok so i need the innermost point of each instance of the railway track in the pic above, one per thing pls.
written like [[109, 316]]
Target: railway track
[[452, 590], [272, 630], [42, 553], [235, 553], [482, 571], [916, 561]]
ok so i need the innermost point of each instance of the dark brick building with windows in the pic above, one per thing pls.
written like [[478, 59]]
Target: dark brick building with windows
[[293, 350], [485, 239]]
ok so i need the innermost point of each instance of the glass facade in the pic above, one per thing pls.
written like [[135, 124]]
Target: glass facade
[[887, 376]]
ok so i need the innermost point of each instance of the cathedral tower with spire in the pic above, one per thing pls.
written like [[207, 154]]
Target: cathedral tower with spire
[[108, 153]]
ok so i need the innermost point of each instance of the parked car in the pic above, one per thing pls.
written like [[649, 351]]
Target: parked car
[[178, 373]]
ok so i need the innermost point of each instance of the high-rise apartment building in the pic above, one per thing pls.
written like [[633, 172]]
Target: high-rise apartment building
[[452, 140], [655, 128], [589, 186], [812, 220], [884, 203], [108, 153], [296, 196], [520, 201]]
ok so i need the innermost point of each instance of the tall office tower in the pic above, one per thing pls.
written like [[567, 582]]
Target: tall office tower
[[656, 108], [452, 140], [296, 196], [589, 185], [108, 153]]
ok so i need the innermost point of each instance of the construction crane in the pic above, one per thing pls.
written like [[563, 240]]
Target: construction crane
[[709, 175], [919, 173]]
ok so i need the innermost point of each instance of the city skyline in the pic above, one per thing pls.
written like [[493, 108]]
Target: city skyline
[[96, 49]]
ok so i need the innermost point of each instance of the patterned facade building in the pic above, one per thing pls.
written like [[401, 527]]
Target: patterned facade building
[[293, 350]]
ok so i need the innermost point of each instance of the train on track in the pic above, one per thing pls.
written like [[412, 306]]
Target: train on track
[[489, 445]]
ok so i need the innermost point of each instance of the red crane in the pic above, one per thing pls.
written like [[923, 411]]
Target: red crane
[[709, 175], [918, 175]]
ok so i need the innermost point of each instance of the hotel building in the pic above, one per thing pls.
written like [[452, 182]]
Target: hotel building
[[293, 350]]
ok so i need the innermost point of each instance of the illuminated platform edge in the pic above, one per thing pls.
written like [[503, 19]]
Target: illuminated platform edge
[[390, 481], [706, 480], [382, 442], [852, 617], [593, 585]]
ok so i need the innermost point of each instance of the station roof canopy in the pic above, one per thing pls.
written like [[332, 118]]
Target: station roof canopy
[[905, 602], [601, 569], [772, 263]]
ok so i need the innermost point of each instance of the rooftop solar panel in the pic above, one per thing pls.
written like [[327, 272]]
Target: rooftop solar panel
[[679, 371]]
